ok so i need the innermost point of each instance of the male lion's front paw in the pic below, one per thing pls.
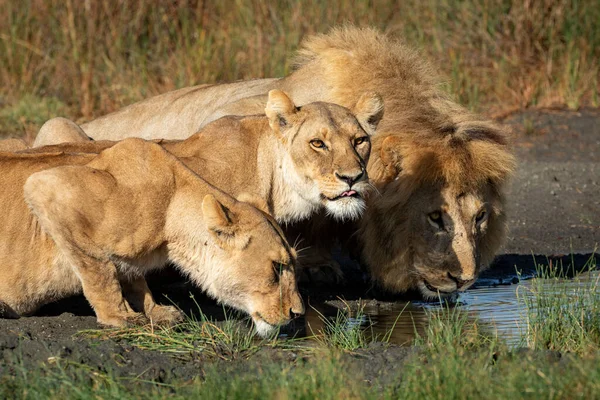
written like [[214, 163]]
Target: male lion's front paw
[[123, 320], [165, 315]]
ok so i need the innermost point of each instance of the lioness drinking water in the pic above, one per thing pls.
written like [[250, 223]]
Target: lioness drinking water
[[96, 223], [441, 171]]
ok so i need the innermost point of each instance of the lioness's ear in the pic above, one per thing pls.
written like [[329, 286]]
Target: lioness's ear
[[215, 217], [279, 108], [223, 224], [369, 111]]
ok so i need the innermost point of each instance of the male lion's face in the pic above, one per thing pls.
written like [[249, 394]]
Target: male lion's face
[[328, 148], [446, 255], [437, 240], [256, 272]]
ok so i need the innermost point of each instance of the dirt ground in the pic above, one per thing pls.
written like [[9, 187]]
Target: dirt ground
[[554, 207], [555, 196]]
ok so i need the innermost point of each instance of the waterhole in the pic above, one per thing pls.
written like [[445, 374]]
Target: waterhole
[[498, 303]]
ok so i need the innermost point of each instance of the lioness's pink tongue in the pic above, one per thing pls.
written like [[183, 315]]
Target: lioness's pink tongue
[[349, 193]]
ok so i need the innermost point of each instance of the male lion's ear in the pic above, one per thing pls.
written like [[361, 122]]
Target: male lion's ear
[[369, 111], [279, 108], [217, 219]]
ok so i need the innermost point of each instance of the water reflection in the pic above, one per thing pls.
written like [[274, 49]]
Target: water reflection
[[498, 310]]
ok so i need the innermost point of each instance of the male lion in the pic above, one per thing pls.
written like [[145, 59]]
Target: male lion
[[98, 223], [438, 218]]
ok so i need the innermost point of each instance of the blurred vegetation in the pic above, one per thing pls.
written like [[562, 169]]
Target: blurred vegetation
[[82, 59]]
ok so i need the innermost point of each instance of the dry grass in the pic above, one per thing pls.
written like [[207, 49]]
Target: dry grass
[[92, 57]]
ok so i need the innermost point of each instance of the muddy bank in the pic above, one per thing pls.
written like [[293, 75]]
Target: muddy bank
[[30, 342]]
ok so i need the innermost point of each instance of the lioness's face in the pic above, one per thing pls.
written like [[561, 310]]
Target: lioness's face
[[331, 149], [257, 268], [452, 226], [328, 147]]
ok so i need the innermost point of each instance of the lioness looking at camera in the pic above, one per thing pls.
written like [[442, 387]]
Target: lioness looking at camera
[[96, 223], [291, 164], [438, 217]]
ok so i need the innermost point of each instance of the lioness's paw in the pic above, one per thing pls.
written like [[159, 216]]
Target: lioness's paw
[[123, 320], [165, 315]]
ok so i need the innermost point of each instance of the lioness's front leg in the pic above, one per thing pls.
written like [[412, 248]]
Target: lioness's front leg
[[139, 296], [102, 289]]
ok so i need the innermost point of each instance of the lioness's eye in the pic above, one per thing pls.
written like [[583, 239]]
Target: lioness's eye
[[277, 269], [316, 143], [481, 216], [361, 140], [436, 219]]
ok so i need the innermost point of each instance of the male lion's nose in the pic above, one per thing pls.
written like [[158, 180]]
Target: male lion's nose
[[460, 280], [350, 179]]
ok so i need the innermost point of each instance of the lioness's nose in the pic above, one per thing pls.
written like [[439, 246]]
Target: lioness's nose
[[297, 308], [350, 179]]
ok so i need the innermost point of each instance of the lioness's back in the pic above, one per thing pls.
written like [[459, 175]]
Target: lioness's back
[[14, 171]]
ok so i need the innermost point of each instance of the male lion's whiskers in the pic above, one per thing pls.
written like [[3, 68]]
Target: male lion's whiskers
[[298, 251], [299, 239], [372, 187]]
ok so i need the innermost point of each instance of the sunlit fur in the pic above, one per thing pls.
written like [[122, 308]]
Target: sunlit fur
[[435, 144], [96, 223], [428, 154], [271, 158]]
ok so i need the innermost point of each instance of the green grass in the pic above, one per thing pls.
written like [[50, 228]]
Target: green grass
[[29, 112], [443, 375], [563, 313], [230, 339], [350, 329], [456, 360], [95, 57], [460, 360], [451, 327], [345, 331]]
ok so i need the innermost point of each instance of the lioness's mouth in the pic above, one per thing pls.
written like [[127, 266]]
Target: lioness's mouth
[[347, 193]]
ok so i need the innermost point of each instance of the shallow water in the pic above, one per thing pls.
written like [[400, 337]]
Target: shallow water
[[499, 310]]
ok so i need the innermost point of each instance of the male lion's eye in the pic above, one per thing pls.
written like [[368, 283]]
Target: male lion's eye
[[481, 216], [361, 140], [318, 144], [436, 219]]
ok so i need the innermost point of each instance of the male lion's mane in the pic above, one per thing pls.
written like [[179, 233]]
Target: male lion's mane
[[434, 140]]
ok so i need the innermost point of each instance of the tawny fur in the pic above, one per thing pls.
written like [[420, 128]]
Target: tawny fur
[[96, 223], [59, 130], [273, 162], [429, 153], [13, 145]]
